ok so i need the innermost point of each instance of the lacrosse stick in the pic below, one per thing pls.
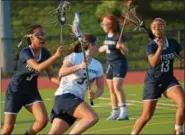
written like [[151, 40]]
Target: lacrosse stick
[[61, 15], [125, 20], [132, 17], [60, 11], [78, 33]]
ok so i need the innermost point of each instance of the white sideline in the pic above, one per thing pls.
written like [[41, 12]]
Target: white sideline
[[141, 102], [109, 129]]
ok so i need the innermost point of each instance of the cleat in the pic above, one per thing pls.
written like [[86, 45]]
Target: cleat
[[123, 117], [113, 116], [178, 133]]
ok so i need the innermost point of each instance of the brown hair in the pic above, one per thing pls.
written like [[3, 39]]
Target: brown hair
[[86, 39], [114, 22]]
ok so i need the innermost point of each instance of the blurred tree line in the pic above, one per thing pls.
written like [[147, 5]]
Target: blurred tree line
[[26, 13]]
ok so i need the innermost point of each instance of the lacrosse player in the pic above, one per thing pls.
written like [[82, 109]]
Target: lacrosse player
[[22, 89], [117, 67], [69, 103], [160, 78]]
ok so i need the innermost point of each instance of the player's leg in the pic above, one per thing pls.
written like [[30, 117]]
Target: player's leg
[[39, 112], [119, 74], [176, 93], [151, 94], [8, 125], [114, 102], [118, 87], [87, 118], [13, 104], [148, 111], [60, 124], [61, 113]]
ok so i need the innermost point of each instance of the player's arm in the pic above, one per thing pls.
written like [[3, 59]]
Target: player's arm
[[100, 88], [182, 55], [155, 58], [68, 68], [179, 52], [51, 75], [123, 47], [43, 65]]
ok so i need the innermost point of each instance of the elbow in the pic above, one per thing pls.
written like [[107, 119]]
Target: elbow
[[38, 69], [62, 73], [153, 64]]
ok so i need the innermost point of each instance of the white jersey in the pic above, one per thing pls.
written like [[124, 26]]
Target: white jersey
[[76, 83]]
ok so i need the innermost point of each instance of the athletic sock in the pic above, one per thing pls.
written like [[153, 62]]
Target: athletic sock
[[123, 109], [133, 133], [115, 109], [179, 128]]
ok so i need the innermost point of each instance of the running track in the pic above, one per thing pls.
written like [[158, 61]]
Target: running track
[[133, 77]]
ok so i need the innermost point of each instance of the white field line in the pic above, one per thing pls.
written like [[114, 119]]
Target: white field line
[[107, 105], [110, 129], [141, 102], [48, 99]]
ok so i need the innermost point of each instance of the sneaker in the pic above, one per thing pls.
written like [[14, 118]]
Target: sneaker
[[123, 117], [178, 133], [113, 116]]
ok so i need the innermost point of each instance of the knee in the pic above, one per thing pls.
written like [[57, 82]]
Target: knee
[[93, 119], [112, 91], [43, 121], [117, 88], [181, 105], [147, 116]]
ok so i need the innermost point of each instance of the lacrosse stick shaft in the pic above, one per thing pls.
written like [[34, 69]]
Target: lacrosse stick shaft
[[61, 35], [124, 22], [123, 26], [78, 33], [87, 72]]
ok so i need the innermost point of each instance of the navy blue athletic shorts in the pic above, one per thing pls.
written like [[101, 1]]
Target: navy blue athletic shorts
[[154, 88], [116, 70], [64, 107], [18, 96]]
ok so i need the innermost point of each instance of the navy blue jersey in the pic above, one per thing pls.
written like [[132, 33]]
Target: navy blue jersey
[[25, 73], [113, 54], [165, 66]]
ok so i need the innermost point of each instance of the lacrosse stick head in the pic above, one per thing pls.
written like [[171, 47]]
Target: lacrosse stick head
[[61, 11], [132, 16], [76, 26]]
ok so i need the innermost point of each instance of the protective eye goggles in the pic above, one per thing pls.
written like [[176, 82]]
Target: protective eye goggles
[[40, 35], [104, 24]]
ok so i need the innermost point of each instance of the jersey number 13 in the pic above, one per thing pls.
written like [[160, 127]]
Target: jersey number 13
[[165, 66]]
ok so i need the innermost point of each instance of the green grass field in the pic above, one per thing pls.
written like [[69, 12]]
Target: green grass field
[[161, 123]]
